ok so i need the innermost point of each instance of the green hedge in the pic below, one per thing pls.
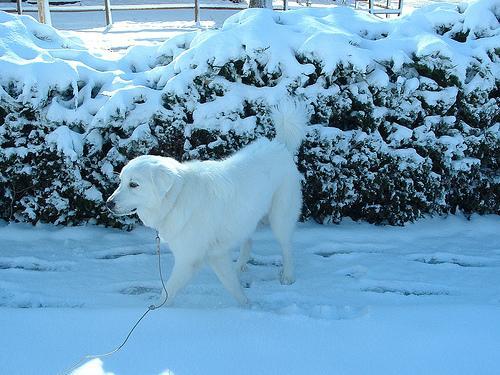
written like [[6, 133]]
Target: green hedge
[[387, 142]]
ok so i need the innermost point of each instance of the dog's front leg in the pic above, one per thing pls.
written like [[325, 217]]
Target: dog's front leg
[[182, 272]]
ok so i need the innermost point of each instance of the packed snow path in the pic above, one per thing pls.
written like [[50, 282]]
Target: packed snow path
[[420, 299]]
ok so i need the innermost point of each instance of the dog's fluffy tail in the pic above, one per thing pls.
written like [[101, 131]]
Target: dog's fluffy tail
[[289, 118]]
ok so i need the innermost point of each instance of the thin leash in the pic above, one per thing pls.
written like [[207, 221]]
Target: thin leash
[[150, 308]]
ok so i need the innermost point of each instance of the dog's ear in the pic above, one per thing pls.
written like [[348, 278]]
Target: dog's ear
[[164, 178]]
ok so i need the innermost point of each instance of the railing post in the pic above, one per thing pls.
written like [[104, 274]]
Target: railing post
[[19, 7], [285, 4], [107, 10], [44, 12], [197, 12]]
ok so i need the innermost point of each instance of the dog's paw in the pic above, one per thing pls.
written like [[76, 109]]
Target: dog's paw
[[246, 304], [242, 267], [286, 279]]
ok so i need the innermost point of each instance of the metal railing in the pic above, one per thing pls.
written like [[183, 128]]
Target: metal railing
[[378, 7], [44, 9]]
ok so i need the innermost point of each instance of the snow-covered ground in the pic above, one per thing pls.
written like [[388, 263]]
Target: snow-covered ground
[[420, 299]]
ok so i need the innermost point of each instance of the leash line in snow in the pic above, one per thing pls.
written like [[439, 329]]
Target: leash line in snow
[[150, 308]]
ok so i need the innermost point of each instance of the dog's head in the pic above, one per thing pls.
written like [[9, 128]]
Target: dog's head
[[144, 184]]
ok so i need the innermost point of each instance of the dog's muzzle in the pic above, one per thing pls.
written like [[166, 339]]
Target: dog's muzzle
[[111, 206]]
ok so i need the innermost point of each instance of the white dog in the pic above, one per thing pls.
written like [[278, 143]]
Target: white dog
[[203, 209]]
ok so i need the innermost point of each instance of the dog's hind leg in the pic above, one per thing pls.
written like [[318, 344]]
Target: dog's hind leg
[[283, 216], [223, 268], [244, 257]]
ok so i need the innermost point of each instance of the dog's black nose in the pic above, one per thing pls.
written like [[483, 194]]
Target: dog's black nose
[[110, 204]]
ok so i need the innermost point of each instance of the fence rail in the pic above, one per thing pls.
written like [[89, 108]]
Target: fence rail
[[44, 9], [99, 8]]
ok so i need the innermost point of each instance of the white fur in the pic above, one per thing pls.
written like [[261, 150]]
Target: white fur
[[205, 209]]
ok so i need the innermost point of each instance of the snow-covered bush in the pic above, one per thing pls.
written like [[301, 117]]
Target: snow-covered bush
[[404, 114]]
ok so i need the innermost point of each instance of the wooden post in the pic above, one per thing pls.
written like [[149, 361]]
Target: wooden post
[[19, 7], [261, 4], [107, 11], [197, 12], [44, 12], [285, 4]]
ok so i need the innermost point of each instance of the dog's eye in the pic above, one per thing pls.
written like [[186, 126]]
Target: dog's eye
[[133, 184]]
